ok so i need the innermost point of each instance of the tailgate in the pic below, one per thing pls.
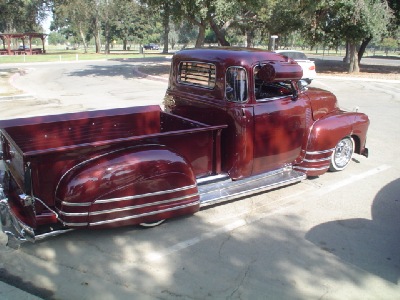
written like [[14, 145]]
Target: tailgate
[[13, 158]]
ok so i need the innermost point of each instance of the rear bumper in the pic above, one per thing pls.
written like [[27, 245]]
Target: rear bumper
[[11, 224]]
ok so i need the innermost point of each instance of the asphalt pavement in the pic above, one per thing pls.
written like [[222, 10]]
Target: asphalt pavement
[[332, 237]]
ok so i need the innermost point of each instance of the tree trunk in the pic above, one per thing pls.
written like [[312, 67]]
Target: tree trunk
[[219, 33], [201, 35], [346, 58], [97, 35], [166, 26], [354, 65], [363, 46], [107, 36], [249, 38], [83, 37]]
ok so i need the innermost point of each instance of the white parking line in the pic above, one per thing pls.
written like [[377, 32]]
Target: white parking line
[[156, 256]]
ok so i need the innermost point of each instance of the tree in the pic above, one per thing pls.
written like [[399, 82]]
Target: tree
[[353, 21], [76, 18], [23, 15], [167, 9], [132, 21]]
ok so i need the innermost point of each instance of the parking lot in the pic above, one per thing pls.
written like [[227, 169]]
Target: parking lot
[[331, 237]]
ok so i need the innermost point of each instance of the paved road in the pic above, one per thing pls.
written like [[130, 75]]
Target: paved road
[[366, 60], [333, 237], [75, 86]]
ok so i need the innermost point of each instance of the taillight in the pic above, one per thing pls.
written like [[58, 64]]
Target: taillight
[[311, 68]]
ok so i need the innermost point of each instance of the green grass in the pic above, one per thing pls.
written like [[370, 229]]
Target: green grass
[[57, 56]]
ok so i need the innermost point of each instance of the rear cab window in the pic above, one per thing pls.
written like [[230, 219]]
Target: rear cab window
[[199, 74]]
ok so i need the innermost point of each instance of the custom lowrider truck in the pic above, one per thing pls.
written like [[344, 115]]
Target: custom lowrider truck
[[235, 122]]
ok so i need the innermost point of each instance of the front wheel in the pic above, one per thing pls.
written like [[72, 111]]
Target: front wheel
[[342, 154]]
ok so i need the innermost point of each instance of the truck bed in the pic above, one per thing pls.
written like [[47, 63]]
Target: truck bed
[[47, 134], [53, 144]]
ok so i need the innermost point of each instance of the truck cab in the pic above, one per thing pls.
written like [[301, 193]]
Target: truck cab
[[273, 120]]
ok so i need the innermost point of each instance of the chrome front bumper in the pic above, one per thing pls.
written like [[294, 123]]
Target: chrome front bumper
[[16, 230]]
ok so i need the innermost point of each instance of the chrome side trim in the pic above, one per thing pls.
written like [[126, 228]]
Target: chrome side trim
[[228, 190], [109, 211], [143, 215], [319, 152], [43, 236], [311, 169], [102, 201], [212, 178], [317, 160], [72, 214], [76, 204], [76, 224]]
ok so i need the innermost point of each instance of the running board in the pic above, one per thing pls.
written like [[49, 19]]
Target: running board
[[225, 189]]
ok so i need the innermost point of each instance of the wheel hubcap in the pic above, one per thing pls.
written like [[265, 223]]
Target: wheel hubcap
[[343, 152]]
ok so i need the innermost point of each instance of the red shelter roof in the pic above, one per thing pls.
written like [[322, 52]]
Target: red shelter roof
[[25, 48]]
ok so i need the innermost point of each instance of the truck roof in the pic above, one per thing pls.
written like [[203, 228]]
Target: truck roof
[[228, 55]]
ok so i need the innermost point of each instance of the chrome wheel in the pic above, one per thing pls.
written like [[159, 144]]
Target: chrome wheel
[[342, 154]]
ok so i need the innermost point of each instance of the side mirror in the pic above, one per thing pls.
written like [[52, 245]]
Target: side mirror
[[303, 85]]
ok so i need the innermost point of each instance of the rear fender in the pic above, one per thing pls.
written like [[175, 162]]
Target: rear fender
[[127, 187], [324, 136]]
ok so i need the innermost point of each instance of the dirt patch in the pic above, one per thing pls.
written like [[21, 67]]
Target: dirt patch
[[6, 88], [338, 68], [156, 69]]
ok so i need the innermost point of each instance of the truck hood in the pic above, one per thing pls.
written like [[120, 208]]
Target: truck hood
[[322, 102]]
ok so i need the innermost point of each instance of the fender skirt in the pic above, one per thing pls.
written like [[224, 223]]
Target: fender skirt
[[324, 136], [127, 187]]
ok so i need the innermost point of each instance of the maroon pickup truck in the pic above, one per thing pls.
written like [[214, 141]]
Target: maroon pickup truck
[[236, 122]]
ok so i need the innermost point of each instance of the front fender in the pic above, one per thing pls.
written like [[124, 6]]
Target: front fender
[[126, 187], [324, 136]]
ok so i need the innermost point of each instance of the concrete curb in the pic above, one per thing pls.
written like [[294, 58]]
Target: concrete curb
[[348, 78], [147, 76], [16, 97]]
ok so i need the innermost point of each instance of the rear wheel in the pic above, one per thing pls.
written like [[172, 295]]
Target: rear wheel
[[342, 154]]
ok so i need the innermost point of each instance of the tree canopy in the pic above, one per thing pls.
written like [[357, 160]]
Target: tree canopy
[[326, 23]]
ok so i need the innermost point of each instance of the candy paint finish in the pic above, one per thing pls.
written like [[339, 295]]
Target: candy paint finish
[[141, 165], [110, 181]]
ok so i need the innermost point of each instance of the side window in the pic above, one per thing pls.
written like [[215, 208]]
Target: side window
[[236, 84], [197, 73]]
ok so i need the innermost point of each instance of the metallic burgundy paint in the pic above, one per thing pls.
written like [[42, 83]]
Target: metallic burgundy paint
[[140, 165]]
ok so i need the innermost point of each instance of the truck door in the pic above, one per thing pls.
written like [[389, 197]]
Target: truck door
[[280, 125]]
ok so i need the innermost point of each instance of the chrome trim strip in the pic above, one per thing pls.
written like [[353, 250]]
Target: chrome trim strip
[[51, 234], [228, 190], [102, 201], [143, 215], [76, 224], [109, 211], [212, 178], [319, 152], [72, 214], [76, 204], [317, 160], [311, 169]]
